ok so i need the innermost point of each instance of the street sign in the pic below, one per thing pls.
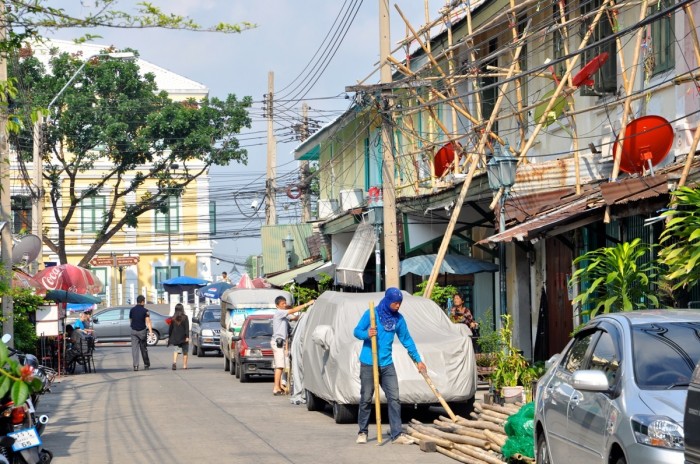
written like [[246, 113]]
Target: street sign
[[109, 261]]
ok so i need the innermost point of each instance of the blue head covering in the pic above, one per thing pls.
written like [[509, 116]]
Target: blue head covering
[[387, 317]]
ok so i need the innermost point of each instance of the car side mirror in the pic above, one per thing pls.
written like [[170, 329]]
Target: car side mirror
[[95, 320], [195, 320], [322, 336], [590, 380], [236, 338]]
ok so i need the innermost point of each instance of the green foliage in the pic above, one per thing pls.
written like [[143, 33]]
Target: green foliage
[[111, 112], [618, 278], [326, 282], [511, 366], [25, 18], [24, 303], [489, 340], [15, 378], [301, 294], [439, 294], [682, 238]]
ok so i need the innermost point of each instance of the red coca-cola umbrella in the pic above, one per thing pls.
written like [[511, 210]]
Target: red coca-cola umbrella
[[69, 277]]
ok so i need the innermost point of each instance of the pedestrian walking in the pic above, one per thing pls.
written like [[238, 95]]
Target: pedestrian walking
[[389, 324], [140, 320], [179, 335], [280, 334]]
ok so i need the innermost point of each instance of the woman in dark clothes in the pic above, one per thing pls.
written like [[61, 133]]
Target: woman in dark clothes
[[179, 335]]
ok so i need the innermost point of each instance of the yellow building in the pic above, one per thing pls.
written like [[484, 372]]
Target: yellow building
[[181, 238]]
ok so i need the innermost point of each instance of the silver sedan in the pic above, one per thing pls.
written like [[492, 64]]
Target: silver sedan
[[616, 393], [112, 325]]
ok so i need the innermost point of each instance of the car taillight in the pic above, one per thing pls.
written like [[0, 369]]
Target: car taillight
[[17, 416], [243, 347]]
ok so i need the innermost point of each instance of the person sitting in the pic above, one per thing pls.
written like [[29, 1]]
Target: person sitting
[[83, 323], [73, 348], [460, 314]]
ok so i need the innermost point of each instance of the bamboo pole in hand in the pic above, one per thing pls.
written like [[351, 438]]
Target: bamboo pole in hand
[[375, 373], [439, 396]]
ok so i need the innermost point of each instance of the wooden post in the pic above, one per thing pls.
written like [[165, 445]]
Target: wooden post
[[690, 158], [627, 107], [375, 373], [470, 175], [693, 31]]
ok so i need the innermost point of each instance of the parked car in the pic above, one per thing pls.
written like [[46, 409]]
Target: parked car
[[112, 325], [617, 391], [253, 354], [329, 366], [692, 419], [236, 305], [206, 326]]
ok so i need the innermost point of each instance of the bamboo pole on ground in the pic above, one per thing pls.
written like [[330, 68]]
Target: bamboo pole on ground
[[375, 373], [562, 82], [475, 453], [470, 175], [458, 456], [627, 108], [424, 436]]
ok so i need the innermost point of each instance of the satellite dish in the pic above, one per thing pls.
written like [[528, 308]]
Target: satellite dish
[[26, 250], [583, 77], [554, 112], [444, 158], [647, 142]]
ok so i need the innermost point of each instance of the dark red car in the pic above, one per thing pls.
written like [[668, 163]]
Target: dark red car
[[253, 354]]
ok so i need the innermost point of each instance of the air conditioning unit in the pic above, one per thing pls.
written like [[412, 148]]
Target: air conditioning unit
[[350, 199], [327, 208]]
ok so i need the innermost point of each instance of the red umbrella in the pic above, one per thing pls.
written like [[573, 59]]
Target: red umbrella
[[259, 282], [69, 277], [24, 280], [245, 282]]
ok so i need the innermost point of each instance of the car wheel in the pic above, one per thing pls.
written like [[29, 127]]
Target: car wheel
[[227, 364], [200, 352], [542, 453], [313, 402], [237, 370], [194, 349], [344, 413], [462, 408], [244, 378], [621, 460], [152, 338], [220, 353]]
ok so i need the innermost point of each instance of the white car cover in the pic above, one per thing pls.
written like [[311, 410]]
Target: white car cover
[[329, 365]]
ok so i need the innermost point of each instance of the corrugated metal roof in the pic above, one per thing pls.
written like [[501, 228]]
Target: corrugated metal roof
[[274, 253], [280, 279]]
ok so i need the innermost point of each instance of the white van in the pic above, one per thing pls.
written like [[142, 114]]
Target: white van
[[236, 305]]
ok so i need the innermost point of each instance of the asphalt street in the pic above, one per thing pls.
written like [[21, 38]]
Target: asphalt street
[[202, 414]]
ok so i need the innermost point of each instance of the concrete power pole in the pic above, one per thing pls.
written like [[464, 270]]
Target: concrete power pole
[[38, 203], [391, 245], [271, 184], [304, 168], [5, 200]]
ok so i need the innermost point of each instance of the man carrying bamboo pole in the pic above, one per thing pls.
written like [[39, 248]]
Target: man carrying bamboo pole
[[389, 324]]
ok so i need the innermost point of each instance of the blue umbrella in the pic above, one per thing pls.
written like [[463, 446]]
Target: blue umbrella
[[215, 290], [185, 280], [178, 285], [451, 264], [64, 296]]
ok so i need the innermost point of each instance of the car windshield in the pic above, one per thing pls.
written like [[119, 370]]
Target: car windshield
[[258, 329], [665, 354], [211, 315]]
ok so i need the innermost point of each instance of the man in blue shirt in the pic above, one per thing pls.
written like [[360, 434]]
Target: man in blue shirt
[[389, 324]]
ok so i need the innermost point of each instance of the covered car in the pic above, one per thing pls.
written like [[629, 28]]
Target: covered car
[[327, 354]]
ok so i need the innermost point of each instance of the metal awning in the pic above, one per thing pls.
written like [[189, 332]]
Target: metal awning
[[352, 265], [288, 276], [573, 215], [327, 268]]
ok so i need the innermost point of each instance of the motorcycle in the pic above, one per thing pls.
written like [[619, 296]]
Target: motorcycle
[[20, 428]]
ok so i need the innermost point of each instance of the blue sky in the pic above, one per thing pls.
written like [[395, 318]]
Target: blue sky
[[287, 36]]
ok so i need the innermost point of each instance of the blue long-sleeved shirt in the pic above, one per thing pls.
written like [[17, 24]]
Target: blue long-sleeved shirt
[[385, 340]]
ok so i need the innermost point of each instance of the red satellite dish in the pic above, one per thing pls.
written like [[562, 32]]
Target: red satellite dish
[[444, 158], [647, 142], [583, 77]]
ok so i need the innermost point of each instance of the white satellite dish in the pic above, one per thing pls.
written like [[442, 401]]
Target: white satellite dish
[[26, 250]]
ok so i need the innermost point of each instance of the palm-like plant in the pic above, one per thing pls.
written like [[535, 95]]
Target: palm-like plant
[[683, 229], [618, 277]]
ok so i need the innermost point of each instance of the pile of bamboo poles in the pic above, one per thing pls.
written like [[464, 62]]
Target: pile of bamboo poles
[[477, 440]]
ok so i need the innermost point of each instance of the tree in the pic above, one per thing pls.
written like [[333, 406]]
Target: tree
[[113, 113], [618, 278], [26, 18], [682, 239]]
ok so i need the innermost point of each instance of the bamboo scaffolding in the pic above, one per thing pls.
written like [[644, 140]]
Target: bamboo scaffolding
[[627, 108], [518, 84], [470, 175], [569, 68]]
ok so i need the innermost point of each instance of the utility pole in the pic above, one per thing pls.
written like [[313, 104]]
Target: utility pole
[[391, 245], [5, 198], [304, 168], [271, 205], [38, 200]]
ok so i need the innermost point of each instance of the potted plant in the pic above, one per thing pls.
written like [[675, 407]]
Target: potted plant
[[489, 342], [511, 366]]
